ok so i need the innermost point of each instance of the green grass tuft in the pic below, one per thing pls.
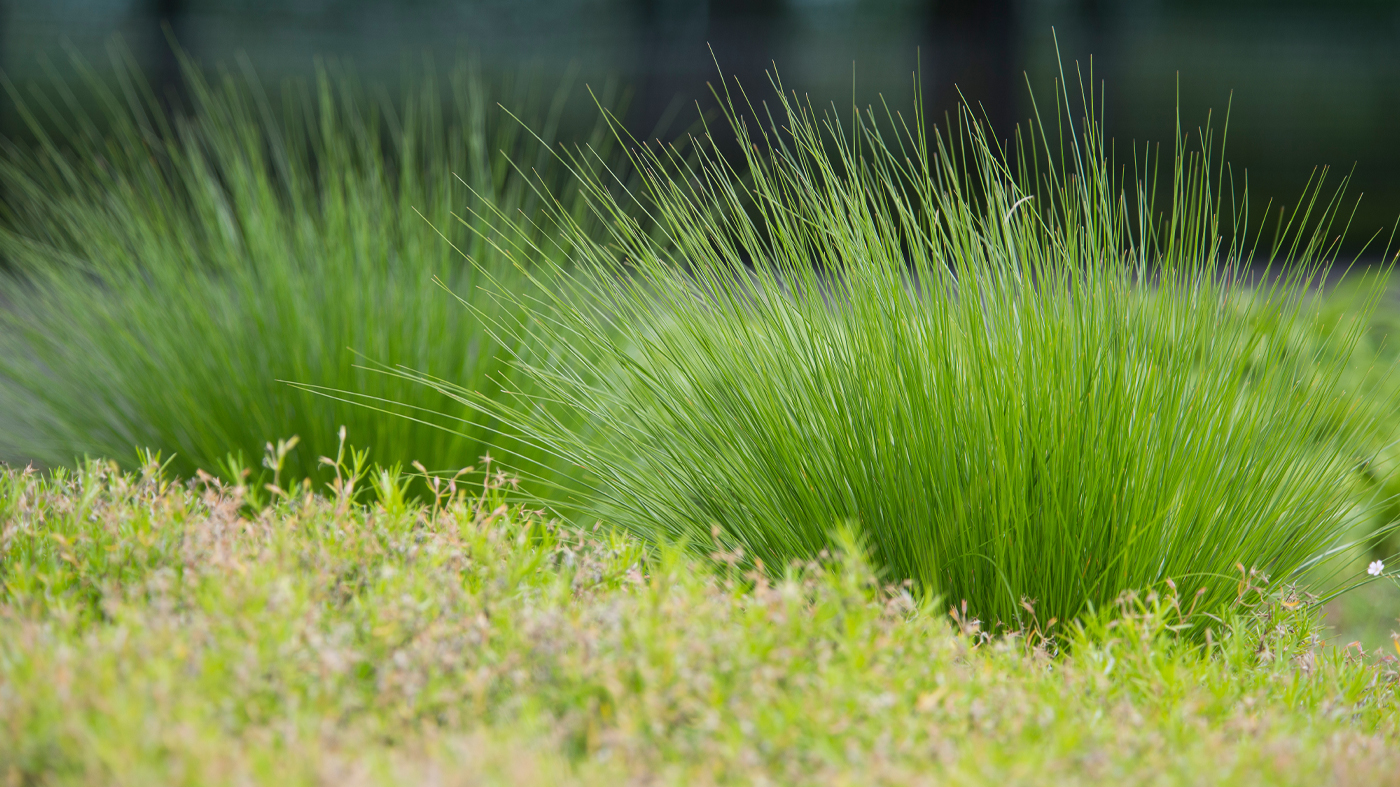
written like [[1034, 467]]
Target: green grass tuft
[[1021, 380], [169, 275]]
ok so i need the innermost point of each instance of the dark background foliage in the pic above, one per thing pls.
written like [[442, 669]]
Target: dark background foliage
[[1314, 82]]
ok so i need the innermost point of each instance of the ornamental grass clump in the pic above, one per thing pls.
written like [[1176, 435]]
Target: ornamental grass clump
[[169, 271], [1024, 381]]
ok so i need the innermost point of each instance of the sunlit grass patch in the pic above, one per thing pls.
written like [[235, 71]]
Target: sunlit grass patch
[[159, 631]]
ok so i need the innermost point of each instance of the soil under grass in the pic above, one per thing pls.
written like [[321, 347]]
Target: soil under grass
[[158, 632]]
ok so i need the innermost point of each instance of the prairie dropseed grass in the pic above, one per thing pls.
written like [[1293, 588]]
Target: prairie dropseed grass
[[1012, 370]]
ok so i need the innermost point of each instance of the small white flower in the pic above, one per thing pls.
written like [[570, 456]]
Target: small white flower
[[1375, 568]]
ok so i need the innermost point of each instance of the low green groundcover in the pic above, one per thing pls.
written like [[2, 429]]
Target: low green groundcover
[[160, 632]]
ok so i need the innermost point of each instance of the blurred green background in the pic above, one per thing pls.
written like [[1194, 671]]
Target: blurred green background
[[1314, 82]]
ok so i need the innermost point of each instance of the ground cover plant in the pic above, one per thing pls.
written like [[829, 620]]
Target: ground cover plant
[[164, 631], [1023, 380], [169, 270]]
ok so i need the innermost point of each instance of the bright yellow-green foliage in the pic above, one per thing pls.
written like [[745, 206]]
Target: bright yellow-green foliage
[[163, 633]]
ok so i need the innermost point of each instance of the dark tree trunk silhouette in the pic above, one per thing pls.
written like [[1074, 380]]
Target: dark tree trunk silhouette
[[971, 47], [683, 40], [167, 18]]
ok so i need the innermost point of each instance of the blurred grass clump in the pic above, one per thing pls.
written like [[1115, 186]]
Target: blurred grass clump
[[160, 631], [169, 271], [1021, 379]]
